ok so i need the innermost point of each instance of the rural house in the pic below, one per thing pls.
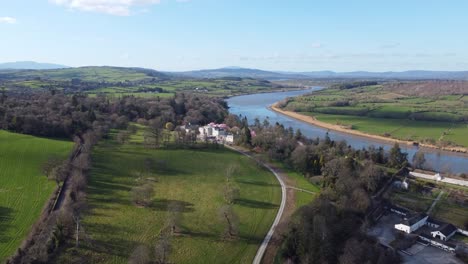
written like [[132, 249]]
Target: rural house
[[444, 232], [412, 224], [217, 132]]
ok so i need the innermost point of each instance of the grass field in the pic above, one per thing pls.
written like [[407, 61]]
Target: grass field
[[23, 189], [451, 208], [194, 178], [117, 81], [420, 131], [436, 116], [299, 181]]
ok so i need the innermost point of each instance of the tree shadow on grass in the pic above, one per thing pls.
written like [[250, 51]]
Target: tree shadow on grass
[[251, 239], [218, 237], [5, 219], [163, 205], [255, 204], [258, 183], [115, 245], [202, 235]]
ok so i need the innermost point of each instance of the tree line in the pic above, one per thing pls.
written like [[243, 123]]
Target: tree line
[[60, 115], [331, 228], [86, 120]]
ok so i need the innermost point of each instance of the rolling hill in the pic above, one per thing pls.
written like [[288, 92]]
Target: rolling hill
[[240, 72], [91, 73], [273, 75], [31, 65]]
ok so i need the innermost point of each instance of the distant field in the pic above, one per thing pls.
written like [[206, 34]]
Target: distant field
[[117, 81], [212, 87], [23, 189], [420, 131], [98, 74], [431, 112], [193, 177]]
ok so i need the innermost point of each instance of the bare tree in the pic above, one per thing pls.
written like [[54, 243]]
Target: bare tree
[[140, 255], [370, 175], [142, 195], [50, 164], [154, 133], [162, 249], [419, 160], [123, 136], [360, 200], [231, 171], [174, 220], [231, 193], [59, 173], [231, 221]]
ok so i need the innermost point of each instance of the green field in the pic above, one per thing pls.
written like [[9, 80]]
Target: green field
[[194, 178], [98, 74], [23, 189], [437, 116], [297, 180], [118, 81], [420, 131], [451, 207]]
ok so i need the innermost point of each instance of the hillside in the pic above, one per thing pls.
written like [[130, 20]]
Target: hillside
[[285, 75], [24, 189], [118, 81], [434, 112], [404, 75], [181, 179], [96, 74], [239, 72], [31, 65]]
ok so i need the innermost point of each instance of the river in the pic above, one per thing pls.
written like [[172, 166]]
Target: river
[[256, 106]]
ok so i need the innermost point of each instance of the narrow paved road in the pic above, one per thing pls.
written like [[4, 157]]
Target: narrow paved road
[[444, 179], [261, 250]]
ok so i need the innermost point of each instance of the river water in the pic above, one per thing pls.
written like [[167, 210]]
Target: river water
[[256, 106]]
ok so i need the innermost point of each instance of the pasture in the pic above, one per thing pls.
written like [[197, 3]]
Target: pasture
[[420, 131], [194, 179], [118, 81], [23, 189], [433, 116], [452, 206]]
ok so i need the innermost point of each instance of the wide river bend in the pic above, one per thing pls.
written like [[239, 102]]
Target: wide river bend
[[256, 106]]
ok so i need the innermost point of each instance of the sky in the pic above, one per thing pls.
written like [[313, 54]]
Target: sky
[[294, 35]]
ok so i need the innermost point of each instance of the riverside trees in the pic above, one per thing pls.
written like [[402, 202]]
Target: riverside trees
[[328, 230]]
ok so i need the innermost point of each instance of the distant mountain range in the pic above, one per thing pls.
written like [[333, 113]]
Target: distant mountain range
[[239, 72], [30, 65], [272, 75], [267, 75]]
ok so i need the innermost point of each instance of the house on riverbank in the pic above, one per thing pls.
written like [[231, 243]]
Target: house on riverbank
[[216, 132], [430, 231]]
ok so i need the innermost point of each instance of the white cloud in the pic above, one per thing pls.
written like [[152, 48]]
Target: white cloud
[[8, 20], [111, 7]]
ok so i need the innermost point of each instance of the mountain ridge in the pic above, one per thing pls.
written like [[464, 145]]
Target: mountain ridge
[[275, 75], [31, 65]]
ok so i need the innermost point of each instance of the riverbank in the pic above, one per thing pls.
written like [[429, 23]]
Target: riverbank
[[315, 122]]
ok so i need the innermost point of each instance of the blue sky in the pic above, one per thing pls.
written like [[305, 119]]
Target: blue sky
[[295, 35]]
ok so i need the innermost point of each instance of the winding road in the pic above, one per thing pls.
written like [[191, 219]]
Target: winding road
[[261, 250]]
